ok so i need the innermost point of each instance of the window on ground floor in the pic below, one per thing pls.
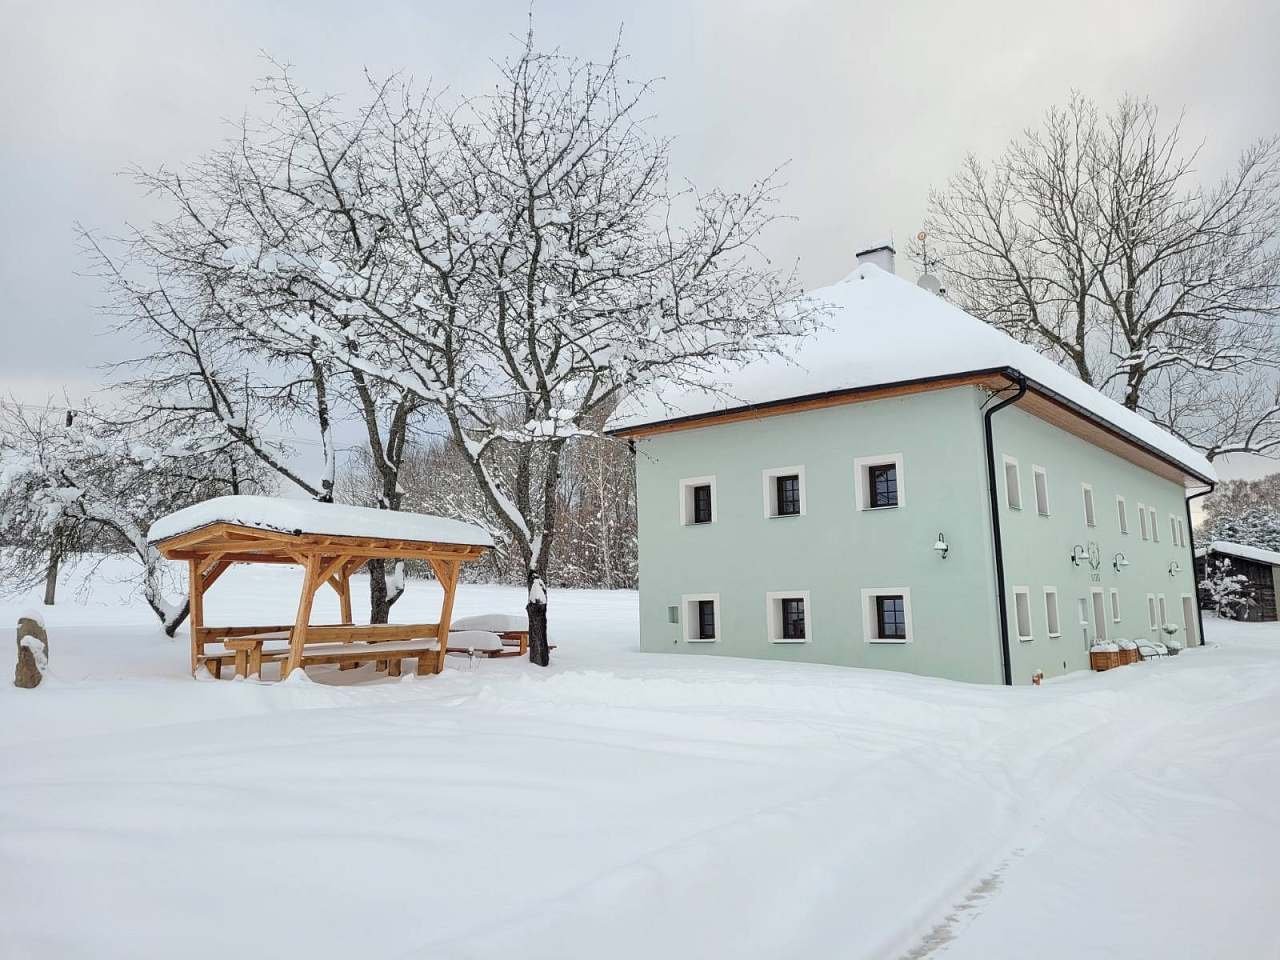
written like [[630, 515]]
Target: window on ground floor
[[1051, 620], [886, 615], [1022, 613], [701, 618], [788, 616]]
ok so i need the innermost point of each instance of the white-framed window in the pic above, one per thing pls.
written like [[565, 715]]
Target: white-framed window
[[1099, 613], [1090, 518], [1052, 623], [878, 482], [1142, 521], [1122, 515], [1173, 530], [1012, 483], [697, 501], [1151, 610], [701, 617], [1115, 605], [787, 616], [1182, 533], [1153, 523], [1164, 612], [886, 615], [784, 492], [1022, 613], [1041, 480]]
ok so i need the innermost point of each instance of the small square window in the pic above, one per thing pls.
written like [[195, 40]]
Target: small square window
[[793, 618], [697, 501], [891, 618], [878, 482], [787, 617], [882, 485], [886, 615], [788, 495], [701, 617], [784, 492]]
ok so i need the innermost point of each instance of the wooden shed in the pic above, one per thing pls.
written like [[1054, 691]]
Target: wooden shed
[[1262, 567]]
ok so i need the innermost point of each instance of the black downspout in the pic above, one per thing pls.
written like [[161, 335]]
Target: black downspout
[[1001, 597], [1191, 541]]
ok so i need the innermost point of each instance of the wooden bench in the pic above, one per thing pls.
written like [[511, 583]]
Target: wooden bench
[[345, 644]]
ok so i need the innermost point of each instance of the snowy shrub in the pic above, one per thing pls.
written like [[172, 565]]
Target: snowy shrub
[[1227, 593]]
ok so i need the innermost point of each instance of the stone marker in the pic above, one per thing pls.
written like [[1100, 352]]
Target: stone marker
[[33, 653]]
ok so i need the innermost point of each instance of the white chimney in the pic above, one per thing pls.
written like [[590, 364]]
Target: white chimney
[[881, 256]]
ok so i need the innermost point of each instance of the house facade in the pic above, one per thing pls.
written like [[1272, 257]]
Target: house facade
[[838, 512]]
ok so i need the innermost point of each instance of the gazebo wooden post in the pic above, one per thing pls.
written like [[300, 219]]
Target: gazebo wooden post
[[344, 595], [196, 615], [298, 635], [447, 573]]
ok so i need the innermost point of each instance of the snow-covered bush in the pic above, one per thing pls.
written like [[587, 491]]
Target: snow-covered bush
[[1226, 593]]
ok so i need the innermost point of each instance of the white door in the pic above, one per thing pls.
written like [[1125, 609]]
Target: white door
[[1189, 621], [1099, 616]]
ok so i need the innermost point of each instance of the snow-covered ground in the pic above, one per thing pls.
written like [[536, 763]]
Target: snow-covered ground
[[624, 805]]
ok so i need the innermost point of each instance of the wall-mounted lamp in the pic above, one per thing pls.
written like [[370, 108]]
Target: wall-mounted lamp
[[942, 547], [1174, 569], [1078, 553], [1119, 561]]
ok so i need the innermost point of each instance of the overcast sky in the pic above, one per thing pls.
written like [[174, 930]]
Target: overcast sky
[[870, 103]]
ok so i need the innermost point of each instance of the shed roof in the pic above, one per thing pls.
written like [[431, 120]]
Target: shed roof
[[1242, 550]]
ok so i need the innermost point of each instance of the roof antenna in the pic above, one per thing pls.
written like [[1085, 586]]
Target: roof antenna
[[927, 280]]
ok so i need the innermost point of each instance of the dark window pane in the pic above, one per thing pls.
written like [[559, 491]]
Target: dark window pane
[[882, 481], [891, 617], [706, 620], [788, 496], [793, 619], [702, 504]]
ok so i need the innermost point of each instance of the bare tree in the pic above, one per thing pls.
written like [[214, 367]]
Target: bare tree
[[1092, 239], [547, 269]]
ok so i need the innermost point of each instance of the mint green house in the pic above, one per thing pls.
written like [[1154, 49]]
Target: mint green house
[[910, 490]]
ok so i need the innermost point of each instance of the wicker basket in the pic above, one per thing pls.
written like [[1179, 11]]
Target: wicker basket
[[1105, 659]]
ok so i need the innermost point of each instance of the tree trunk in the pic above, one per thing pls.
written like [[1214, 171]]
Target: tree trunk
[[539, 650], [381, 597], [51, 576]]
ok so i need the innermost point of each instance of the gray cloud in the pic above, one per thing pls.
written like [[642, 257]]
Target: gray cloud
[[870, 103]]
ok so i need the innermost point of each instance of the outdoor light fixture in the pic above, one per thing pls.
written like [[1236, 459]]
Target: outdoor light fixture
[[1119, 561], [942, 547], [1078, 553], [1174, 569]]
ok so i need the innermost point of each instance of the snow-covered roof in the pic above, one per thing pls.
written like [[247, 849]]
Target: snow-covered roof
[[884, 330], [328, 519], [1241, 550]]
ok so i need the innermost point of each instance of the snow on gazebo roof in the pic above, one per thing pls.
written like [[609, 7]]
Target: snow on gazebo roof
[[325, 519], [884, 330], [1241, 550]]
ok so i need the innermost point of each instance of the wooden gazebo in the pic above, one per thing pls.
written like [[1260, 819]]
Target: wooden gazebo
[[330, 542]]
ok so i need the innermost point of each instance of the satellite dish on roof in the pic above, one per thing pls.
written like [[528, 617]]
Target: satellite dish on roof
[[929, 282]]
